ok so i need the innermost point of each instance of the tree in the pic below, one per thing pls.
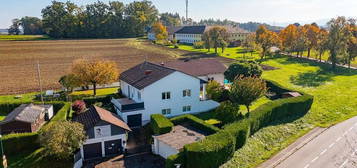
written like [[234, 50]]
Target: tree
[[160, 31], [96, 72], [69, 82], [266, 39], [311, 32], [352, 42], [15, 27], [228, 112], [321, 46], [79, 106], [170, 20], [243, 68], [218, 37], [61, 139], [301, 41], [289, 36], [214, 90], [245, 90], [207, 40], [338, 39], [249, 44], [31, 25]]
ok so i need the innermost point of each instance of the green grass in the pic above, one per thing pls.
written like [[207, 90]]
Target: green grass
[[325, 56], [23, 37], [36, 159], [100, 92], [24, 97]]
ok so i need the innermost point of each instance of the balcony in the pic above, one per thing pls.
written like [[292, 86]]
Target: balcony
[[127, 105]]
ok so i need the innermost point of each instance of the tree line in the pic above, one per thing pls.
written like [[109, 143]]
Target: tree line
[[340, 39]]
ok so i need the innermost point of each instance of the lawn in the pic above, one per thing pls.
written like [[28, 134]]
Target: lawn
[[335, 99], [325, 56], [23, 37], [100, 92]]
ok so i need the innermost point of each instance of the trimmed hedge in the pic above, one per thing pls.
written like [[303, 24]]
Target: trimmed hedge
[[195, 122], [15, 143], [216, 149], [212, 151], [175, 159], [160, 124]]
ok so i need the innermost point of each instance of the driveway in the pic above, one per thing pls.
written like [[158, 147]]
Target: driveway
[[335, 147]]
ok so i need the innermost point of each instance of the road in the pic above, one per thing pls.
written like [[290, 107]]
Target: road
[[336, 147]]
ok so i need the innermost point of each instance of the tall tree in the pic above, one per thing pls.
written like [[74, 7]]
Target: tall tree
[[352, 42], [15, 27], [249, 44], [116, 19], [338, 39], [266, 39], [301, 41], [321, 46], [160, 31], [218, 37], [31, 25], [207, 40], [54, 19], [311, 33], [97, 20], [289, 36], [170, 20], [245, 90], [96, 72]]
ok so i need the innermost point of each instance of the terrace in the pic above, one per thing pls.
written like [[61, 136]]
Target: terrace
[[127, 105]]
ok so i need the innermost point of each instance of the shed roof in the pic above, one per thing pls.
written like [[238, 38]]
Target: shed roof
[[192, 30], [28, 113]]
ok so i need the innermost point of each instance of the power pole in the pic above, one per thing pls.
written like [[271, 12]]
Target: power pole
[[186, 10], [39, 80]]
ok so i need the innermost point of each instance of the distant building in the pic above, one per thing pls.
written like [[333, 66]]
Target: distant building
[[4, 31], [170, 30], [26, 118]]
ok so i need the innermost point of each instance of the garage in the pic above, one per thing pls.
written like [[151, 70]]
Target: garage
[[113, 147], [92, 151], [135, 120]]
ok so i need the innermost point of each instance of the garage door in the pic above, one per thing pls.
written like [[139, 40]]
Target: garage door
[[134, 120], [113, 147], [92, 151]]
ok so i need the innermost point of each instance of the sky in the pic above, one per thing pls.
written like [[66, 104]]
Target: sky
[[275, 12]]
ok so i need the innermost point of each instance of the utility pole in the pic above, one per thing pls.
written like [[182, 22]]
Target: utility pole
[[186, 10], [39, 80]]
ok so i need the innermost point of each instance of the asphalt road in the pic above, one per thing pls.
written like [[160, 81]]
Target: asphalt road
[[334, 148]]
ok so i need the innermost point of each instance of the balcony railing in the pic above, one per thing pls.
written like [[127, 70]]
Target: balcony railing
[[127, 105]]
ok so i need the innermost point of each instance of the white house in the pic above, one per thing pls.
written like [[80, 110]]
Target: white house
[[157, 89], [170, 31], [106, 133]]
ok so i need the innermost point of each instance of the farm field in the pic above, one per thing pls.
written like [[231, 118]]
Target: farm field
[[18, 59], [22, 37]]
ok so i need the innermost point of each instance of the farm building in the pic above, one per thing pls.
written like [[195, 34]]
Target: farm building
[[26, 118]]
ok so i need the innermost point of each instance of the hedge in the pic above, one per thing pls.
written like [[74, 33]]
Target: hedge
[[15, 143], [175, 159], [216, 149], [212, 151], [160, 124], [195, 122]]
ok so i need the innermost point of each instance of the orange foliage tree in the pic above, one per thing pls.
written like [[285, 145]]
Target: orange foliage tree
[[266, 39], [160, 31]]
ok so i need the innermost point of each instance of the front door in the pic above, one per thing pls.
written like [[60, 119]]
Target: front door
[[134, 120], [113, 147]]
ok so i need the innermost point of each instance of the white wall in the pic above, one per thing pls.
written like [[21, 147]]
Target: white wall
[[133, 91], [162, 149], [188, 38], [238, 36], [217, 77]]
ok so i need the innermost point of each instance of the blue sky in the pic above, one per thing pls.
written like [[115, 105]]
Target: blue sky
[[278, 12]]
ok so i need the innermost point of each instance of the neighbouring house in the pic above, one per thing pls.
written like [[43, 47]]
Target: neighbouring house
[[171, 143], [192, 34], [152, 88], [106, 133], [170, 31], [206, 69], [26, 118]]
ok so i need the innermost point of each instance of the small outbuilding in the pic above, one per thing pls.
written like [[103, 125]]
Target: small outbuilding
[[26, 118], [290, 94], [171, 143]]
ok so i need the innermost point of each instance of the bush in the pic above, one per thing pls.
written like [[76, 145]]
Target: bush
[[195, 122], [244, 68], [212, 151], [215, 91], [176, 46], [239, 130], [160, 124], [15, 143], [175, 159], [78, 106], [199, 45], [62, 108], [228, 112]]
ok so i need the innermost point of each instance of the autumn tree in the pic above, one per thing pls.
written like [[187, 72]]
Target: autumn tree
[[266, 39], [338, 38], [311, 33], [61, 139], [249, 44], [245, 90], [352, 42], [321, 46], [69, 82], [218, 37], [301, 41], [96, 72], [289, 36], [160, 31], [207, 40]]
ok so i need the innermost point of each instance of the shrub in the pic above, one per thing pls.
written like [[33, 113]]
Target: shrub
[[62, 108], [245, 68], [240, 130], [78, 106], [176, 46], [160, 124], [175, 159], [195, 122], [228, 112], [199, 45], [23, 142], [212, 151], [215, 91]]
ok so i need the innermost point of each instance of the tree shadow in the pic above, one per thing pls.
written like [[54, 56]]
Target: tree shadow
[[311, 79]]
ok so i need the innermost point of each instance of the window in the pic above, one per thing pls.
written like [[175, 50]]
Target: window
[[139, 95], [166, 111], [186, 108], [186, 93], [166, 95]]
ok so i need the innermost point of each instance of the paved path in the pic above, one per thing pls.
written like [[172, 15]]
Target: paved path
[[335, 147]]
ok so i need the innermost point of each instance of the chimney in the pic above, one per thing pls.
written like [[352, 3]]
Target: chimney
[[147, 72], [162, 64]]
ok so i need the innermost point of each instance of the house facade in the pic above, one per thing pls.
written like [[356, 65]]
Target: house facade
[[156, 89], [26, 118], [170, 31], [106, 133]]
